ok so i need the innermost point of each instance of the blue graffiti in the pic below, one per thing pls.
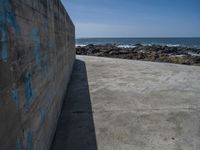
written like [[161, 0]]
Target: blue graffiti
[[7, 16], [18, 145], [4, 51], [7, 19], [28, 89], [29, 138], [46, 67], [43, 112], [36, 42], [15, 97]]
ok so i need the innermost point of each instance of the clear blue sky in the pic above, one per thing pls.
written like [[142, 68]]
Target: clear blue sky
[[135, 18]]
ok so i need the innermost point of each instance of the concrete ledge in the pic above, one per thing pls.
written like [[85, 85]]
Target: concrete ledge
[[115, 104]]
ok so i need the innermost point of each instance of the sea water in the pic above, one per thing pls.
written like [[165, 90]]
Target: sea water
[[130, 42]]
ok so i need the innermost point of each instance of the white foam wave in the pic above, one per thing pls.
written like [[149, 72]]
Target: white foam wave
[[193, 54], [173, 45], [81, 45], [146, 44], [126, 46]]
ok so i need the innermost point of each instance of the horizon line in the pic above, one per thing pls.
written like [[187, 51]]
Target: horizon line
[[132, 37]]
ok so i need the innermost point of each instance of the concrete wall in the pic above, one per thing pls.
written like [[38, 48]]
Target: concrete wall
[[37, 52]]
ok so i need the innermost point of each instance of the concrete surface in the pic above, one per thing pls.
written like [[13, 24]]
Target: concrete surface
[[37, 53], [115, 104]]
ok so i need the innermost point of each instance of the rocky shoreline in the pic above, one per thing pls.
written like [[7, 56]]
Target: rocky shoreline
[[156, 53]]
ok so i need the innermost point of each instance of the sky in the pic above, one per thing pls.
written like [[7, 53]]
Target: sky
[[135, 18]]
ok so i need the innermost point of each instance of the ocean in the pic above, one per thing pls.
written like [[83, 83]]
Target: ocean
[[128, 42]]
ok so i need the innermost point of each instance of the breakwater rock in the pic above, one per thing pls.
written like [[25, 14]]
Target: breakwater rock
[[157, 53]]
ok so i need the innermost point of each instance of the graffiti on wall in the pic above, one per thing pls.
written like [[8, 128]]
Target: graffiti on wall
[[15, 96], [17, 145], [4, 51], [28, 141], [28, 89], [36, 43], [7, 20], [29, 138], [42, 112]]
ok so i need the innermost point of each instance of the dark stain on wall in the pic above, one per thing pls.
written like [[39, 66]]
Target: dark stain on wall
[[37, 53]]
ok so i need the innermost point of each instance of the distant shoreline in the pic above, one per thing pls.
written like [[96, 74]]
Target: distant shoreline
[[156, 53]]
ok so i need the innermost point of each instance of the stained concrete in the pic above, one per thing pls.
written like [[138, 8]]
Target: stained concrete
[[37, 53], [115, 104]]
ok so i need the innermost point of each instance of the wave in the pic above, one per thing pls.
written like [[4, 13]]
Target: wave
[[81, 45], [168, 45], [126, 46], [148, 44], [193, 54], [171, 42], [136, 45], [173, 45]]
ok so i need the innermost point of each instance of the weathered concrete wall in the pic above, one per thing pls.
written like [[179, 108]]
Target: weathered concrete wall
[[37, 52]]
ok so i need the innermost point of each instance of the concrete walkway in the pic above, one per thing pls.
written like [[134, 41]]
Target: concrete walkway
[[115, 104]]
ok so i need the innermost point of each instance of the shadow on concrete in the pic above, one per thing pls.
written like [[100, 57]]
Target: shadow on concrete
[[76, 129]]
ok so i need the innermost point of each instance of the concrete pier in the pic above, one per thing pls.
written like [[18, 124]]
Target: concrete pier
[[115, 104]]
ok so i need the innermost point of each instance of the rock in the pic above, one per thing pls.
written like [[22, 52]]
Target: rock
[[158, 53]]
